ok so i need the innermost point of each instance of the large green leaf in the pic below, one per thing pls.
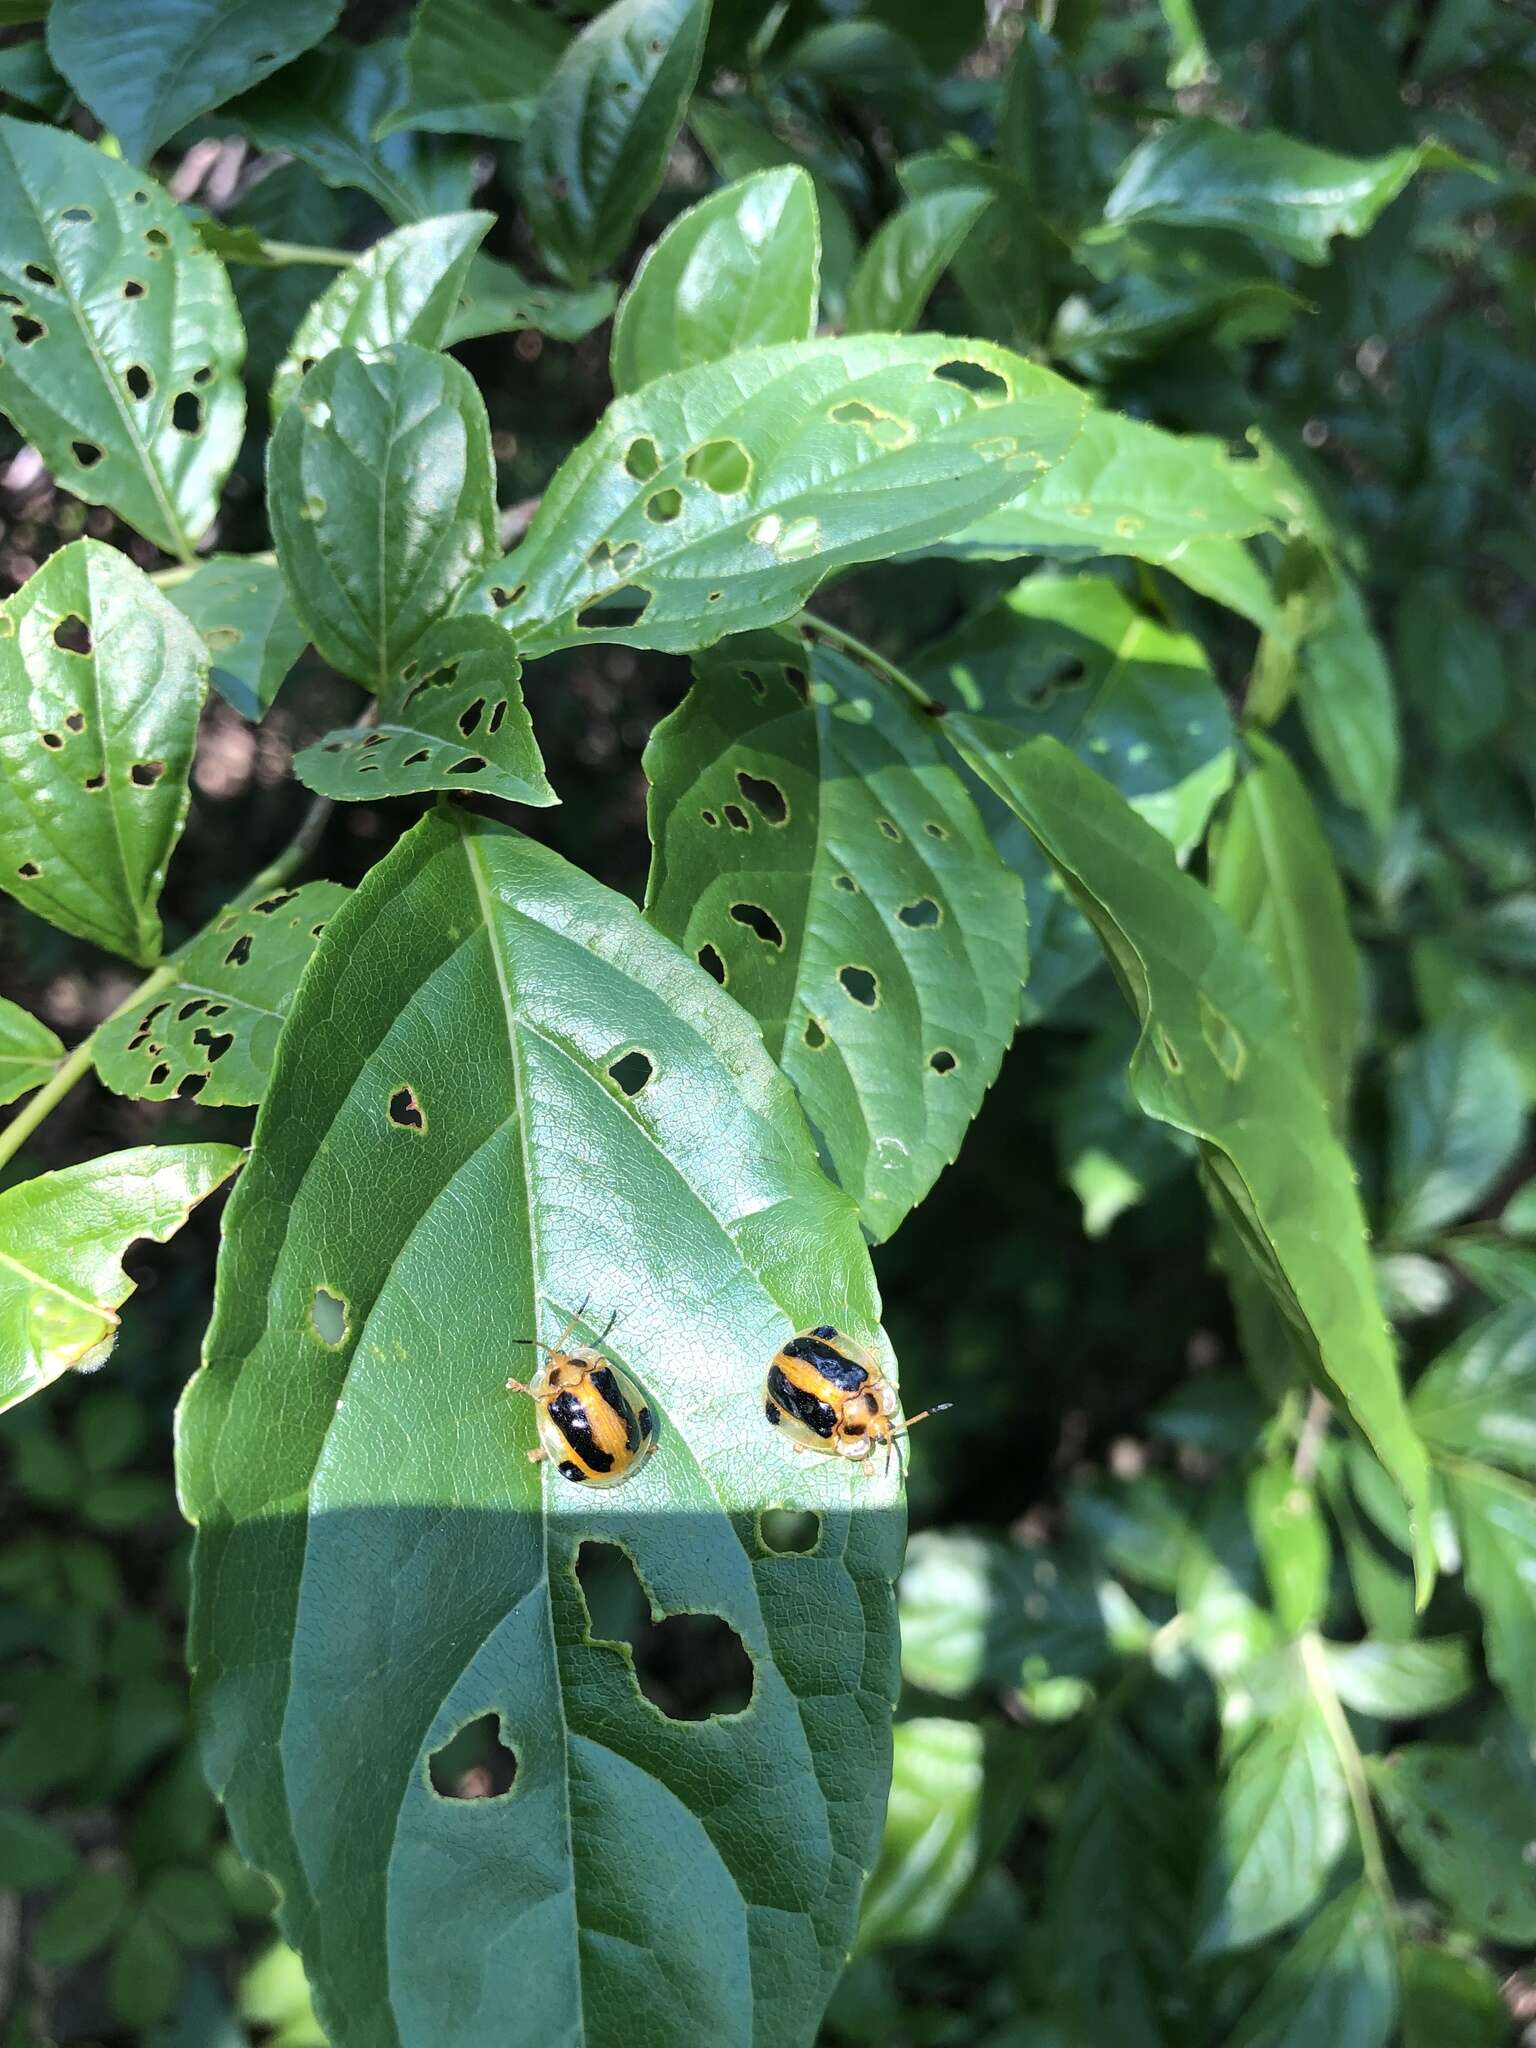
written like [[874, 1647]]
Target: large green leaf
[[144, 72], [1478, 1399], [405, 288], [1273, 873], [62, 1239], [476, 67], [1290, 194], [1218, 1058], [357, 1474], [381, 493], [29, 1051], [739, 270], [813, 844], [239, 604], [122, 357], [1458, 1118], [1496, 1517], [599, 138], [101, 680], [1043, 127], [1337, 1983], [210, 1032], [906, 259], [497, 299], [717, 499], [1468, 1824]]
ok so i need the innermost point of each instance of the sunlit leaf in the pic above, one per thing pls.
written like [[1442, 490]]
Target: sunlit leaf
[[1496, 1519], [29, 1051], [240, 607], [1478, 1399], [1468, 1824], [908, 256], [1400, 1681]]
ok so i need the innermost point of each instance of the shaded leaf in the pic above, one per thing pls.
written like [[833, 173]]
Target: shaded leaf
[[29, 1051], [1458, 1114], [598, 142], [1144, 316], [497, 299], [211, 1030], [929, 1847], [907, 257], [61, 1275], [1468, 1824], [1496, 1518], [811, 840], [145, 1974], [33, 1854], [103, 680], [476, 67], [1337, 1983], [496, 987], [740, 269], [380, 490], [1479, 1397], [240, 607], [83, 1918], [1400, 1681], [122, 358], [1450, 2001], [1043, 128], [1344, 690]]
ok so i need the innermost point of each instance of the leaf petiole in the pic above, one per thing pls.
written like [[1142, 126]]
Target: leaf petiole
[[834, 636]]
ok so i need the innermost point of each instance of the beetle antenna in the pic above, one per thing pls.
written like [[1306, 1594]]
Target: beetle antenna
[[912, 1421]]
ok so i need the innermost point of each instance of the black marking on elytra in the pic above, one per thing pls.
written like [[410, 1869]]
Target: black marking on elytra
[[804, 1406], [568, 1470], [603, 1379], [570, 1418], [647, 1424], [773, 1412], [841, 1372], [827, 1330]]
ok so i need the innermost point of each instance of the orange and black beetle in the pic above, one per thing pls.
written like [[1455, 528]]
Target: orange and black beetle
[[594, 1423], [824, 1398]]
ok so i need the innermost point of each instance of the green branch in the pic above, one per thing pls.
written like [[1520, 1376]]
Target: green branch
[[858, 650]]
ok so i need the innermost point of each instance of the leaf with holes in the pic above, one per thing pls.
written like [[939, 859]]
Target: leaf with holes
[[145, 72], [212, 1030], [1071, 657], [380, 488], [476, 67], [1219, 1058], [739, 270], [554, 1115], [908, 256], [598, 143], [64, 1235], [101, 683], [498, 299], [29, 1051], [814, 849], [405, 288], [458, 723], [240, 607], [718, 498], [1468, 1823], [120, 346]]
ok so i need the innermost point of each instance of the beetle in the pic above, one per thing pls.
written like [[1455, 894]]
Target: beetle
[[827, 1396], [595, 1426]]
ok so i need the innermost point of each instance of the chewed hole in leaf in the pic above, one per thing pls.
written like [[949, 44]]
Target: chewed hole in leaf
[[846, 883], [97, 781], [935, 831], [476, 1763], [269, 904], [239, 952], [330, 1318], [501, 597], [187, 413], [157, 239], [765, 796], [815, 1037], [38, 275], [53, 741], [29, 871], [724, 467], [711, 962], [691, 1667], [664, 505], [405, 1112], [470, 765], [615, 610], [498, 713], [642, 459], [470, 716], [159, 1075], [145, 774], [140, 383], [77, 215], [737, 818], [988, 387], [632, 1072], [204, 374], [789, 1532], [415, 760], [214, 1043], [853, 412], [923, 912], [943, 1061], [709, 817], [86, 453], [861, 985], [74, 636], [191, 1084], [890, 828], [133, 289], [75, 720], [757, 920], [27, 329]]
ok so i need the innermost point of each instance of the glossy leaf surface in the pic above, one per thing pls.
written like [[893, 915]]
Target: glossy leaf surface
[[908, 256], [1478, 1399], [1458, 1115], [29, 1051], [351, 1451], [476, 67], [498, 299], [1467, 1823], [240, 607], [1496, 1519]]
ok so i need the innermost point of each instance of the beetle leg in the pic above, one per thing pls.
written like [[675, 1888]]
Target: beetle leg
[[535, 1456]]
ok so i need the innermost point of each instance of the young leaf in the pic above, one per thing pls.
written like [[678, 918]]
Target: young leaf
[[1400, 1681], [29, 1051], [497, 299], [717, 499], [1217, 1058], [210, 1032], [476, 67], [1478, 1399], [1468, 1824], [600, 136], [459, 723], [517, 1168], [1043, 129], [1283, 192], [1337, 1983], [1458, 1116], [928, 1851], [240, 607], [737, 144], [405, 288], [739, 270], [908, 256], [816, 851], [64, 1235], [144, 72], [1274, 875], [380, 489], [1496, 1518], [121, 359], [103, 680]]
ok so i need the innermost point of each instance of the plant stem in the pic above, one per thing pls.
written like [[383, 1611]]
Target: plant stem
[[1315, 1664], [1310, 1440], [180, 572], [835, 636], [276, 255]]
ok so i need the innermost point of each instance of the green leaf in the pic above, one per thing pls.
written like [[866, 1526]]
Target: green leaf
[[190, 1907], [1344, 690], [83, 1918], [739, 270], [1458, 1114], [1497, 1521], [476, 67], [1400, 1681], [928, 1852], [1468, 1824], [459, 723], [1290, 195], [104, 680], [27, 75], [497, 299], [1282, 1823], [146, 1973], [405, 288], [723, 495], [1145, 316], [500, 988], [1337, 1983], [1217, 1058], [813, 846], [1273, 873], [145, 73], [599, 139], [1107, 1152], [1293, 1542], [1043, 129], [907, 257], [1451, 664], [61, 1275], [33, 1855], [1450, 2001], [29, 1051], [240, 607], [210, 1031], [327, 111], [1478, 1399], [122, 363], [381, 493], [1138, 1523]]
